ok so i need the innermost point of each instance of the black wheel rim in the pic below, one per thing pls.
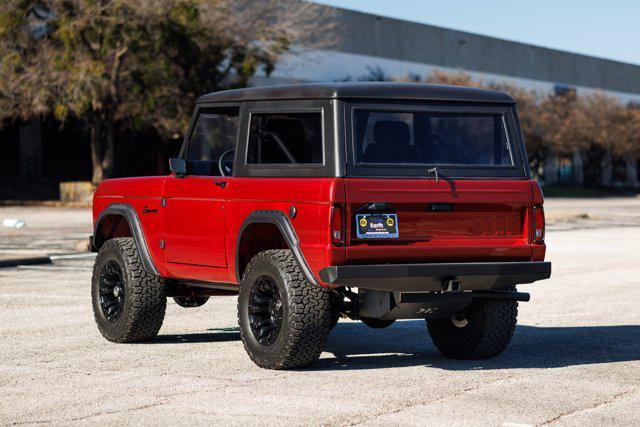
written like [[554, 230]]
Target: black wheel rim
[[265, 310], [460, 320], [111, 291]]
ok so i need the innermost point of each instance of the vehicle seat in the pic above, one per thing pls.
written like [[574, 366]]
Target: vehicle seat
[[433, 149], [391, 143]]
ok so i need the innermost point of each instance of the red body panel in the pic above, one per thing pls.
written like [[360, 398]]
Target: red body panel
[[138, 193], [312, 198], [201, 220], [488, 221]]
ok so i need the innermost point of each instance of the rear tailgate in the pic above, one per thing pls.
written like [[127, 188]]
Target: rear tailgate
[[452, 220]]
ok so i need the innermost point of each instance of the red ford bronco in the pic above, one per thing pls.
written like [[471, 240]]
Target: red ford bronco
[[373, 201]]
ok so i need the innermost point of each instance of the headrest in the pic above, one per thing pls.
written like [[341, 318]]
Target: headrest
[[391, 132], [433, 139]]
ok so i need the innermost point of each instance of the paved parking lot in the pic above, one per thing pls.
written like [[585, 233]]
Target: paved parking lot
[[575, 358]]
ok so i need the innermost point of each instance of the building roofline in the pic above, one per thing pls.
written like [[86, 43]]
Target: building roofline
[[376, 36], [498, 39]]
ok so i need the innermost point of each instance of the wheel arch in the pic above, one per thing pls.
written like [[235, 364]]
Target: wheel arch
[[268, 229], [121, 220]]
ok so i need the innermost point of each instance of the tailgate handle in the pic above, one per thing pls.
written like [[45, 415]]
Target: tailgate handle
[[376, 207], [440, 207]]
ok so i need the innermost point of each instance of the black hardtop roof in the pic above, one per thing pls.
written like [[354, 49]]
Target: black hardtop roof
[[360, 90]]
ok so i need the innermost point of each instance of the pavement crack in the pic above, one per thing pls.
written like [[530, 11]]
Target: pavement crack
[[96, 414], [596, 405], [426, 402]]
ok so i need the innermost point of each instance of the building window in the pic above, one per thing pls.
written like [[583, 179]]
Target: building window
[[565, 171], [10, 150], [561, 90], [619, 170]]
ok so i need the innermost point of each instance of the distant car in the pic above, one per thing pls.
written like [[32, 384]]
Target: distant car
[[373, 201]]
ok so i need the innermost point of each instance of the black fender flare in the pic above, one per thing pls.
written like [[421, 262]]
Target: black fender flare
[[129, 213], [280, 220]]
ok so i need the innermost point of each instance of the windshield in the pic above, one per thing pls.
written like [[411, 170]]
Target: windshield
[[430, 138]]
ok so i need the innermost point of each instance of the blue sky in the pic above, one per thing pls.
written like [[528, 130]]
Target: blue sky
[[607, 29]]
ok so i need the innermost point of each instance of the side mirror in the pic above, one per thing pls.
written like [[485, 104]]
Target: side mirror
[[178, 167]]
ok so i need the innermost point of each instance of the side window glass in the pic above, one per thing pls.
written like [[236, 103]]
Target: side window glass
[[286, 138], [214, 132]]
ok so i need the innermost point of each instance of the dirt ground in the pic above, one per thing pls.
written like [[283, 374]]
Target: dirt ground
[[574, 360]]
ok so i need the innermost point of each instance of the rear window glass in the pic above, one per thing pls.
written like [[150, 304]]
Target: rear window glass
[[429, 138], [289, 138]]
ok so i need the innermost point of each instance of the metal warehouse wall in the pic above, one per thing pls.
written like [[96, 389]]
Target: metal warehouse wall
[[366, 34]]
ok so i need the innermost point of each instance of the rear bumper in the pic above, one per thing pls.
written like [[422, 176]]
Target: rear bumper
[[472, 276]]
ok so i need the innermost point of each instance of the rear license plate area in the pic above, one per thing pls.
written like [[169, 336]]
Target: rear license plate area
[[377, 226]]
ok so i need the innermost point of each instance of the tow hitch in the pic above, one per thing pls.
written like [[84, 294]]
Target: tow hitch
[[451, 285]]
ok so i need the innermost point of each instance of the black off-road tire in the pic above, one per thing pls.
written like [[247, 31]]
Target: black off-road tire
[[377, 323], [191, 302], [145, 298], [306, 313], [490, 324]]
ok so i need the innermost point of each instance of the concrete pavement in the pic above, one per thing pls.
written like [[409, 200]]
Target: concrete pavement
[[575, 358]]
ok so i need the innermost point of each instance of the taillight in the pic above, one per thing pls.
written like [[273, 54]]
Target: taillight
[[538, 224], [337, 225]]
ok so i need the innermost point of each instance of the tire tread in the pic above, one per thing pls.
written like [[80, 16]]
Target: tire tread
[[310, 314], [495, 324], [147, 296]]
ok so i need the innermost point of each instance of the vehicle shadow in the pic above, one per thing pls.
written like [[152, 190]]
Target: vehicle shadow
[[407, 343], [213, 335]]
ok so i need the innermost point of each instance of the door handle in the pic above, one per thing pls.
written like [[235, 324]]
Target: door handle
[[221, 184]]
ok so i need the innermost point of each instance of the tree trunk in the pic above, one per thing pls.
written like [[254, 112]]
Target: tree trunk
[[96, 152], [535, 163], [108, 156], [102, 146]]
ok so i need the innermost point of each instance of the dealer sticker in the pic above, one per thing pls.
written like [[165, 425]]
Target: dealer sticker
[[377, 226]]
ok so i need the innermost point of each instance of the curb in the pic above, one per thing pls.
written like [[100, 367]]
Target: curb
[[24, 261], [64, 257], [46, 203]]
